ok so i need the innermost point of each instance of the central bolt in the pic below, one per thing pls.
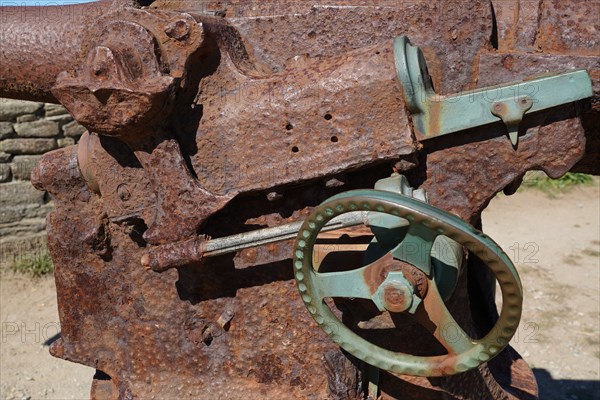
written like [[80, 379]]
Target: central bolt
[[397, 296]]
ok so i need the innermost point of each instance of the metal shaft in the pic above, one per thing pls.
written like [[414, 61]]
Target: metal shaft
[[171, 255], [233, 243]]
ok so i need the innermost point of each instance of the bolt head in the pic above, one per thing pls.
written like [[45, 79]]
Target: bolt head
[[394, 296], [178, 30], [123, 192]]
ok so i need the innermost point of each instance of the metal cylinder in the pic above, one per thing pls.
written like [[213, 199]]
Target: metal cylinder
[[37, 43]]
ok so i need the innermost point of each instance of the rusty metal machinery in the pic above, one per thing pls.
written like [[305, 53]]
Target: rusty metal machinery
[[392, 289], [239, 221]]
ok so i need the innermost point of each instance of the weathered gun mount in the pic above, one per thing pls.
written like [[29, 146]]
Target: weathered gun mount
[[220, 132]]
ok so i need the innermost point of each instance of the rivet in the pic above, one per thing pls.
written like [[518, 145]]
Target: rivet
[[225, 318], [274, 196], [178, 30], [123, 192]]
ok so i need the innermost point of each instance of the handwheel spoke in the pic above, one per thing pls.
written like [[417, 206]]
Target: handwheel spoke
[[356, 283], [388, 282], [416, 247], [342, 284], [435, 317]]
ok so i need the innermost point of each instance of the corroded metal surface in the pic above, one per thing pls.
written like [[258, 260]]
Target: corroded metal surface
[[280, 106], [451, 33], [38, 43]]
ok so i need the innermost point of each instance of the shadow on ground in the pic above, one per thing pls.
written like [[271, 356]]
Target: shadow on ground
[[565, 389]]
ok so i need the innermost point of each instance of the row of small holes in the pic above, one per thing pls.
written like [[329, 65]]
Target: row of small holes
[[289, 127]]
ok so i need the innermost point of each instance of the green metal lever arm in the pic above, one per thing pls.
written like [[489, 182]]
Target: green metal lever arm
[[436, 115]]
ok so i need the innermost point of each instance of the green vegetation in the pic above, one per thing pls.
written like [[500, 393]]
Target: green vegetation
[[541, 181], [591, 252], [34, 265]]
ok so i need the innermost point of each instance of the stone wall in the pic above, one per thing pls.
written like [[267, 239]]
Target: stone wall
[[27, 130]]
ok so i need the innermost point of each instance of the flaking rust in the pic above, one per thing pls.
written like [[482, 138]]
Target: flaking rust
[[215, 118]]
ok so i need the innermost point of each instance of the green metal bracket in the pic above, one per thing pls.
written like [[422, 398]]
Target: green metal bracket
[[441, 256], [436, 115]]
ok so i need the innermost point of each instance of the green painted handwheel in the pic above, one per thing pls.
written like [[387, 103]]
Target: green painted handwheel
[[426, 223]]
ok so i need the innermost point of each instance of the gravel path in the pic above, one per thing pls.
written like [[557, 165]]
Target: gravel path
[[555, 244]]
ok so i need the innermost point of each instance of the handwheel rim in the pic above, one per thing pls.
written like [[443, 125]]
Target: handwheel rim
[[437, 220]]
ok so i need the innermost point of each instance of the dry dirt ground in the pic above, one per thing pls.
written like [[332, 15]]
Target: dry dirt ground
[[554, 242]]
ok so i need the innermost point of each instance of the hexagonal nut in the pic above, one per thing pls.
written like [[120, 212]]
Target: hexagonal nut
[[395, 294]]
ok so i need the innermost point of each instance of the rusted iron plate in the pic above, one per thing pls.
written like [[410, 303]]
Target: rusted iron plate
[[553, 26], [139, 324], [159, 335], [318, 117], [466, 189], [535, 37], [502, 67], [569, 27], [451, 32]]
